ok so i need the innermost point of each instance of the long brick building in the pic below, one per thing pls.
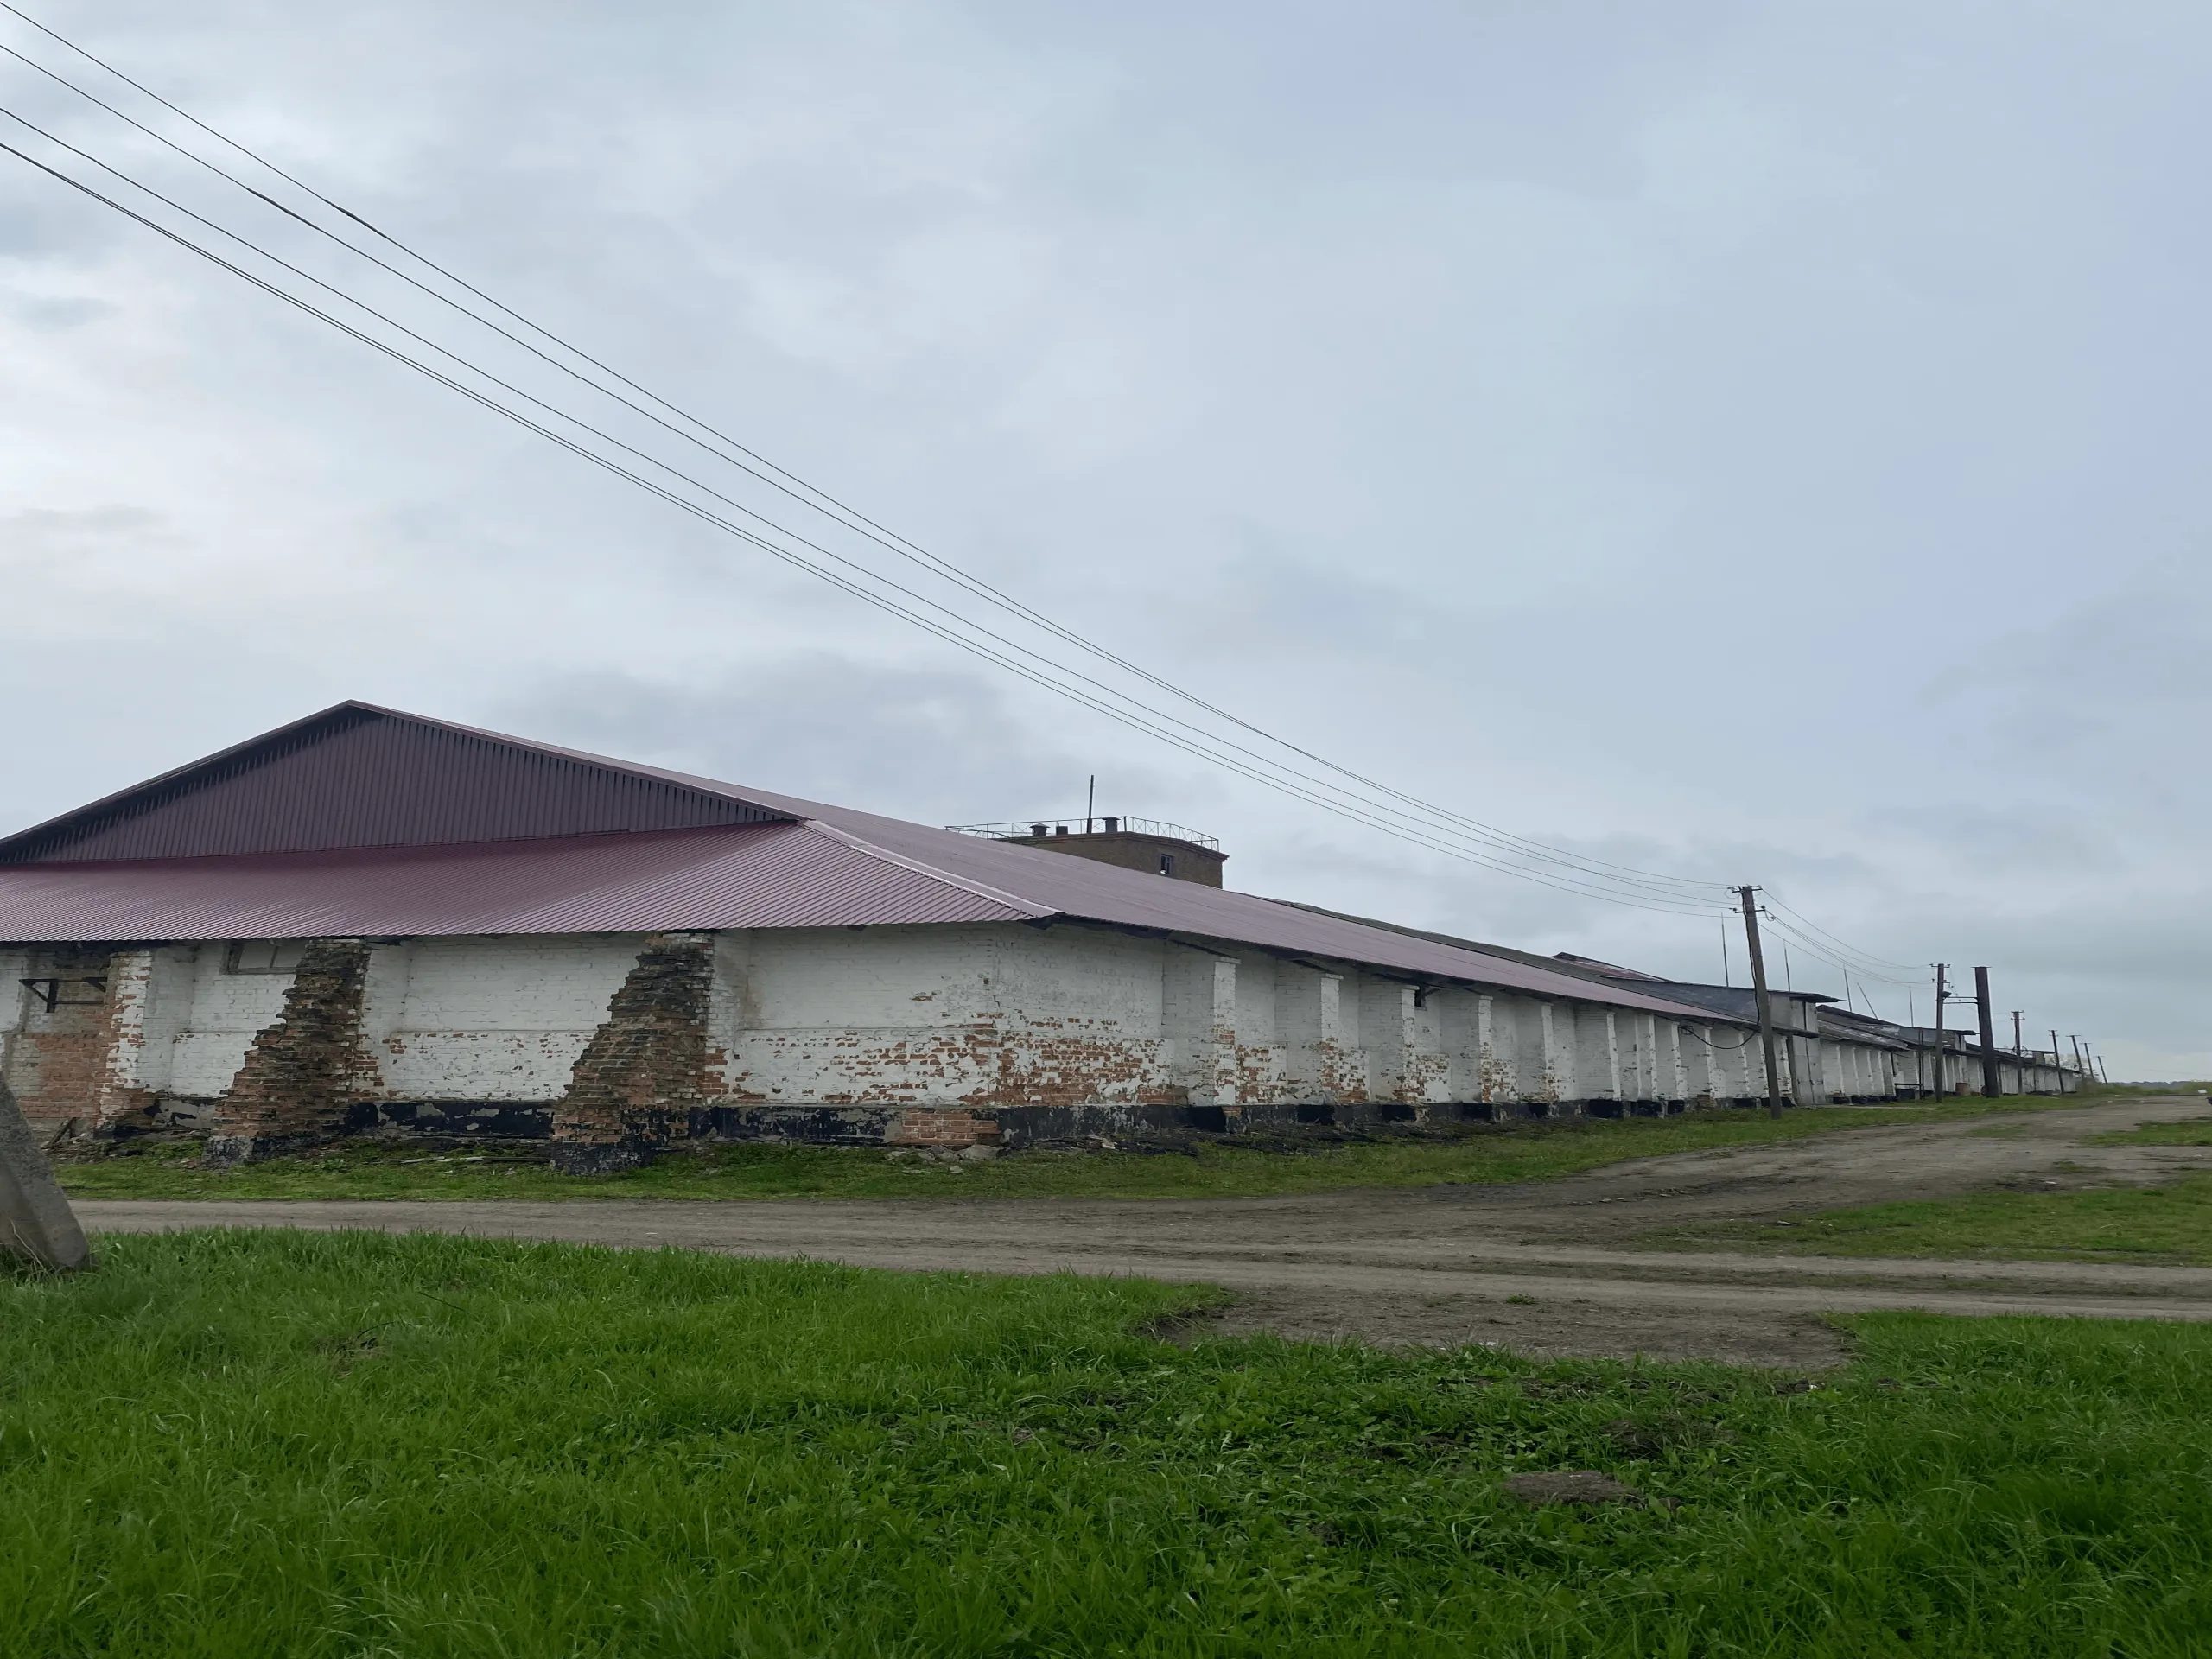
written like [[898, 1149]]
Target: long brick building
[[369, 919]]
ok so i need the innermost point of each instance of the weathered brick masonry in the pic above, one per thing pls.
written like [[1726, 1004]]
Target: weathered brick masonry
[[306, 1071], [57, 1057], [644, 1071], [868, 980], [616, 1045], [943, 1126]]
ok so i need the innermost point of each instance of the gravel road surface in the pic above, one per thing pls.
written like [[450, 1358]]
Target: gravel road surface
[[1543, 1267]]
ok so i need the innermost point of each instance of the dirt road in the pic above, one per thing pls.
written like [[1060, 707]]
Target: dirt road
[[1545, 1267]]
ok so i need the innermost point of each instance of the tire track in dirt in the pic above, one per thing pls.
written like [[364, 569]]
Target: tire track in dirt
[[1543, 1267]]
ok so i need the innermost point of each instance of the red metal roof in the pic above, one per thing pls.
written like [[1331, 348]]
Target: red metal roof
[[1056, 883], [360, 776], [752, 875], [820, 865]]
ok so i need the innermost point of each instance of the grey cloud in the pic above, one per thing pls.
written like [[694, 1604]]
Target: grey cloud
[[59, 532], [935, 745], [1608, 421], [62, 312], [2013, 841]]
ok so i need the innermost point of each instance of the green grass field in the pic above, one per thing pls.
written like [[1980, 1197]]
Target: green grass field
[[338, 1444], [2168, 1224], [2178, 1132], [1533, 1150]]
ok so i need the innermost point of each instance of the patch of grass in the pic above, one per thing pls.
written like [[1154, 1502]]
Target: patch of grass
[[1534, 1151], [245, 1443], [2172, 1223], [2177, 1132]]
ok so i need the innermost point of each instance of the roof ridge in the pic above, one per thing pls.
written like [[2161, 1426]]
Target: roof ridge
[[721, 786], [210, 770], [914, 866]]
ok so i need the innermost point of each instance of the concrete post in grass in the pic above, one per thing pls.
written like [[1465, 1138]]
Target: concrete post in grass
[[37, 1223]]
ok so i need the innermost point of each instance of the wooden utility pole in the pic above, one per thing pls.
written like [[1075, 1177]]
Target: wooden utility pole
[[2103, 1072], [1992, 1075], [1942, 996], [1765, 1004], [2078, 1066]]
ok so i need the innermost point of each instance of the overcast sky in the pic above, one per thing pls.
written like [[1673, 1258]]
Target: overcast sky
[[1757, 442]]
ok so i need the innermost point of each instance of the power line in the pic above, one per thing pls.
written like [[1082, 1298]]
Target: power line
[[1653, 890], [1366, 807], [1820, 953], [1653, 883], [1351, 813], [1848, 950]]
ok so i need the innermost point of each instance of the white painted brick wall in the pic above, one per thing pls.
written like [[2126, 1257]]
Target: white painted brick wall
[[938, 1015], [226, 1009], [14, 966], [499, 1019], [1385, 1008], [805, 979]]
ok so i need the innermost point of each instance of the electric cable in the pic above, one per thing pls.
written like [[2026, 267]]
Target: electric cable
[[1820, 954], [1751, 1036], [1675, 894], [1848, 949], [1350, 813], [1648, 884], [956, 617], [1507, 841]]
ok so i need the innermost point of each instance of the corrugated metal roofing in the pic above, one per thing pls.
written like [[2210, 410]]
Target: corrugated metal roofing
[[756, 876], [837, 866], [1844, 1025], [355, 775]]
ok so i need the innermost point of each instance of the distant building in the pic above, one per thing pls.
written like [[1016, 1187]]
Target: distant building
[[1143, 844], [1824, 1054], [370, 920]]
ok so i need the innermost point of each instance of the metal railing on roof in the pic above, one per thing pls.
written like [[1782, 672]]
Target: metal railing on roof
[[1033, 828]]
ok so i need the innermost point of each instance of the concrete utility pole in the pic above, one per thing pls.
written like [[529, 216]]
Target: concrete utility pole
[[2018, 1051], [1942, 996], [2078, 1065], [2057, 1063], [1992, 1075], [2102, 1073], [37, 1223], [1765, 1004]]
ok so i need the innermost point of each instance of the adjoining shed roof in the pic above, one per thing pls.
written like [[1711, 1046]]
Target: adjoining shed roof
[[367, 820], [1842, 1026]]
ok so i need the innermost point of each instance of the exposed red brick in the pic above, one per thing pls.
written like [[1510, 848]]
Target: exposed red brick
[[943, 1126], [58, 1062], [308, 1067], [647, 1064]]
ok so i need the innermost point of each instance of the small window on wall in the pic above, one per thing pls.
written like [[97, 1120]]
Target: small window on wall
[[1167, 863], [262, 956]]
